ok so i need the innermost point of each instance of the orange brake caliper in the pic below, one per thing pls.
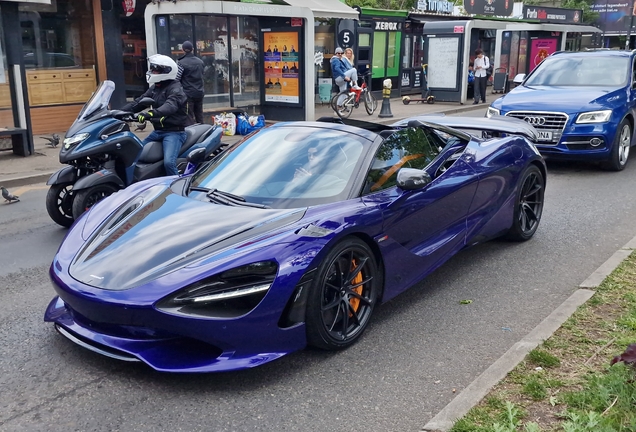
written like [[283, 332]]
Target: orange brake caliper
[[355, 302]]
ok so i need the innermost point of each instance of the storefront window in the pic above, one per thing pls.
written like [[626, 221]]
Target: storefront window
[[406, 59], [6, 112], [180, 31], [134, 48], [245, 60], [58, 41], [212, 47]]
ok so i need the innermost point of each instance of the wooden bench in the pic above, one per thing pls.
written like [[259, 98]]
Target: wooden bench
[[19, 140]]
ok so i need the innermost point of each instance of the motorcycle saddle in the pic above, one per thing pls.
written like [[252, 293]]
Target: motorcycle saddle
[[153, 151]]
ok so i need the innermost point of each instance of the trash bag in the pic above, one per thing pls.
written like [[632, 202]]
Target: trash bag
[[246, 125], [227, 121]]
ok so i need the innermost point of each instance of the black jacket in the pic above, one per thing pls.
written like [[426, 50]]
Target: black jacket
[[192, 75], [170, 102]]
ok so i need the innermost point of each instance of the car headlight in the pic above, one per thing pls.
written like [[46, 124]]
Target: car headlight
[[492, 112], [229, 294], [75, 139], [594, 116]]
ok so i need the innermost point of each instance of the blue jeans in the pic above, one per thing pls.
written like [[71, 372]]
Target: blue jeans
[[171, 142]]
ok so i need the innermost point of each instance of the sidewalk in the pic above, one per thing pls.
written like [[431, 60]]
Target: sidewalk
[[37, 168]]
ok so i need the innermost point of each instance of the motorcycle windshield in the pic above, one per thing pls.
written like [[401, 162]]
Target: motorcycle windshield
[[98, 102]]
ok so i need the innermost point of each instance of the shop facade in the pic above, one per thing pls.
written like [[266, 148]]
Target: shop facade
[[53, 56], [263, 58]]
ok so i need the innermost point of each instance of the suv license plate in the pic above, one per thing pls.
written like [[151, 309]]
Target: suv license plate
[[545, 136]]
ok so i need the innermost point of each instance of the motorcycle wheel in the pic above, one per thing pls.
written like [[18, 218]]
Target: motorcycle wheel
[[87, 198], [59, 204]]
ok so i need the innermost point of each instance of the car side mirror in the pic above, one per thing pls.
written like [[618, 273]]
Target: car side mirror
[[518, 79], [146, 102], [412, 179]]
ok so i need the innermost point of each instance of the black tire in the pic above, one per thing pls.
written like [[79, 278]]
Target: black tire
[[620, 148], [370, 103], [347, 280], [528, 204], [87, 198], [59, 204]]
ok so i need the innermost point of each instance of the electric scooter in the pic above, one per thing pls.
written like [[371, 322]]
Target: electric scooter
[[104, 156]]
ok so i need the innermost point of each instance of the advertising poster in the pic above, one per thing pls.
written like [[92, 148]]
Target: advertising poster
[[540, 49], [614, 16], [281, 67]]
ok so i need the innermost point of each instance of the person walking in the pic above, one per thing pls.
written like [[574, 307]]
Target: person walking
[[480, 66], [170, 116], [192, 81]]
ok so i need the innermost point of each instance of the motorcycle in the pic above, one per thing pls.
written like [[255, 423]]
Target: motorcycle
[[104, 156]]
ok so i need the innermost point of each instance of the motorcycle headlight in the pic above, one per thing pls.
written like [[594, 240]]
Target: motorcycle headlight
[[229, 294], [492, 112], [594, 116], [75, 139]]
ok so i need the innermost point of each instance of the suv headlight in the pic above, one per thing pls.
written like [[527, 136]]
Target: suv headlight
[[594, 116], [75, 139], [492, 112]]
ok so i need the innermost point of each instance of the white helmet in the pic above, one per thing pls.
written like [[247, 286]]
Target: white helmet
[[161, 68]]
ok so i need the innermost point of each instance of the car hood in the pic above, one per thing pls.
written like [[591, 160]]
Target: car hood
[[147, 238], [563, 99]]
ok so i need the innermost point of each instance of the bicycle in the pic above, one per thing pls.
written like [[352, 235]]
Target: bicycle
[[352, 100]]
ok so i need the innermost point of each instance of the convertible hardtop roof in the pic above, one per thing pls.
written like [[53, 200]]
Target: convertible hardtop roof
[[372, 127]]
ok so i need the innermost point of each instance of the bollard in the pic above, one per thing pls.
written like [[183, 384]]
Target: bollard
[[385, 111]]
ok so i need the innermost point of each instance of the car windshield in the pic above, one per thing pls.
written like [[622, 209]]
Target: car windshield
[[600, 71], [99, 100], [287, 166]]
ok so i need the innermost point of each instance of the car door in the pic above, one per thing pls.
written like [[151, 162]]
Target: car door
[[422, 228]]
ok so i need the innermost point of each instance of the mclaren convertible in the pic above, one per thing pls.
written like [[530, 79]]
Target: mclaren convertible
[[291, 237]]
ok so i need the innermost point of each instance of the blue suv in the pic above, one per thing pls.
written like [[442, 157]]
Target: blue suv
[[583, 104]]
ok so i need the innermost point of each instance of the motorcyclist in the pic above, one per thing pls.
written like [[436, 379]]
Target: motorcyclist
[[170, 117]]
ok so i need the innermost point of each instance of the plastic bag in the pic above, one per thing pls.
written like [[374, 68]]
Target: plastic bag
[[246, 125], [227, 121]]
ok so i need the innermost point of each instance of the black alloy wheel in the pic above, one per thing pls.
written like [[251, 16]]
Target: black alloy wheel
[[87, 198], [528, 205], [343, 295], [59, 204]]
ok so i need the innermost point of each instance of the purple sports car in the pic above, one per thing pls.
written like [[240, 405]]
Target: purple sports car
[[289, 238]]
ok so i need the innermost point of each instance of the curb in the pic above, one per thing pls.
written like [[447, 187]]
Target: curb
[[475, 391], [42, 177]]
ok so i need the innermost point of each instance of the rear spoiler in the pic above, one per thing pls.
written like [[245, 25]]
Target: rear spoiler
[[493, 126]]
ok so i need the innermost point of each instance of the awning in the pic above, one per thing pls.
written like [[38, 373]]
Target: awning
[[326, 8]]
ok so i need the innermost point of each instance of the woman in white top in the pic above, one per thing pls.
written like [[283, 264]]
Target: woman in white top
[[349, 57]]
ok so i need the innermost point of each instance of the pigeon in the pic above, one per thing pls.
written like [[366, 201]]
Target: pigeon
[[8, 196], [141, 126], [54, 141]]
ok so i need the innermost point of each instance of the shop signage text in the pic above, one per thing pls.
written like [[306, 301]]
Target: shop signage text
[[489, 7], [548, 14], [439, 6], [386, 26]]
